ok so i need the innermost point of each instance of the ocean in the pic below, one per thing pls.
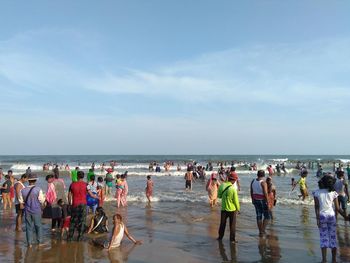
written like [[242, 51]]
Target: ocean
[[179, 226]]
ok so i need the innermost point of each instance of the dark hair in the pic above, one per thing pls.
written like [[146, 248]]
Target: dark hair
[[261, 173], [340, 173], [9, 171], [233, 168], [60, 202], [92, 178], [100, 210], [100, 179], [80, 174], [49, 176], [24, 176], [148, 177], [327, 182], [304, 172]]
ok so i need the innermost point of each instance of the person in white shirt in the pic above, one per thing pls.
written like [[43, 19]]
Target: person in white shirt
[[325, 197]]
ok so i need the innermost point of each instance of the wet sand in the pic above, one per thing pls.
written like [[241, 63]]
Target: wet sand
[[183, 232]]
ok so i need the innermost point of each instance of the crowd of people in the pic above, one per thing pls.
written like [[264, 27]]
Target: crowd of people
[[68, 212]]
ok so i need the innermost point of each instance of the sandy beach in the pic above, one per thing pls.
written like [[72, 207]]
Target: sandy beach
[[179, 226], [183, 233]]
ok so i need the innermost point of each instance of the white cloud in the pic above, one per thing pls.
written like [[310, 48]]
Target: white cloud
[[304, 76]]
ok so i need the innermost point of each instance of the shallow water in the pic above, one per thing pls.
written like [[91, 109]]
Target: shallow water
[[180, 227]]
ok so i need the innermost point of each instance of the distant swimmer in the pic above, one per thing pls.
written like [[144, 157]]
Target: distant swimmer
[[270, 170]]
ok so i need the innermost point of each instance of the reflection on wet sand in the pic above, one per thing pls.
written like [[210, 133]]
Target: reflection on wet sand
[[233, 250], [344, 243], [120, 254], [306, 229], [149, 222], [269, 248]]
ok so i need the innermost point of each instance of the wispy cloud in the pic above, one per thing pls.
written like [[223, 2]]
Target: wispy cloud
[[303, 76]]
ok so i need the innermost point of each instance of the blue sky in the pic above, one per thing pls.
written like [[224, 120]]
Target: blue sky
[[174, 77]]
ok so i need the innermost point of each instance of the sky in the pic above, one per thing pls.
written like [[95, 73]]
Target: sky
[[174, 77]]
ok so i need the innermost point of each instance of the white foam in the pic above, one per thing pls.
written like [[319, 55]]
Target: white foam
[[23, 167], [279, 160]]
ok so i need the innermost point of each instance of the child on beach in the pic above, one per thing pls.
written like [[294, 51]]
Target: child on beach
[[149, 188], [109, 181], [324, 199], [65, 219], [302, 184], [6, 191], [119, 189], [125, 190], [100, 191], [271, 195], [212, 188]]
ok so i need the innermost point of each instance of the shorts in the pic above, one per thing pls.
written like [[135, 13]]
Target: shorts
[[19, 211], [66, 222], [188, 184], [261, 209]]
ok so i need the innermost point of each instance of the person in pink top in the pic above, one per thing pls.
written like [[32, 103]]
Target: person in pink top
[[149, 188], [125, 190]]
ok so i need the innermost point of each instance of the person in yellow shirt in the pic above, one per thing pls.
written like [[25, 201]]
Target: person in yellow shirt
[[229, 207], [302, 184]]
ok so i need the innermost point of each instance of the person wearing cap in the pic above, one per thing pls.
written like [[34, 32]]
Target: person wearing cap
[[259, 196], [32, 198], [229, 207], [235, 176]]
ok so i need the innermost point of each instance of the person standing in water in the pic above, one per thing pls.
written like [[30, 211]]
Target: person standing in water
[[341, 187], [271, 194], [229, 208], [149, 188], [19, 208], [259, 196], [189, 178], [212, 188], [324, 200], [77, 198], [32, 198], [302, 183]]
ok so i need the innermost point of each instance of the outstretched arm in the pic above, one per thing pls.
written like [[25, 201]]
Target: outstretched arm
[[136, 242], [317, 210]]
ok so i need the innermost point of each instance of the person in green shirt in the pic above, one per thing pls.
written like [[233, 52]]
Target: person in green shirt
[[74, 174], [90, 173], [229, 207], [348, 171]]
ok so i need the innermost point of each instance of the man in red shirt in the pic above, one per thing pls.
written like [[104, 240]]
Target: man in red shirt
[[77, 198]]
